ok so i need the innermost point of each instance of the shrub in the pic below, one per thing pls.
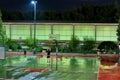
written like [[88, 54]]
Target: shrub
[[13, 45], [73, 43], [88, 46], [30, 43], [108, 47], [39, 48], [64, 48]]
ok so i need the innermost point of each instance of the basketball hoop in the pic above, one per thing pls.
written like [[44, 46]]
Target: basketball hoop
[[54, 37]]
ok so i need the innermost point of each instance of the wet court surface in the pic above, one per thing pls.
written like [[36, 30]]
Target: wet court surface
[[37, 68]]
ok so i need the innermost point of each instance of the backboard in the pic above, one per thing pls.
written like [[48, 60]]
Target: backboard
[[2, 52], [54, 36]]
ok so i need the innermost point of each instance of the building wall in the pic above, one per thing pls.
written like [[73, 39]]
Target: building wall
[[97, 31]]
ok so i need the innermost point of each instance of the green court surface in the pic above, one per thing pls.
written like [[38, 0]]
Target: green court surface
[[65, 68]]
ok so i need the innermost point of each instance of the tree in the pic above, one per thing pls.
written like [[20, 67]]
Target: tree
[[17, 15], [116, 10], [2, 31]]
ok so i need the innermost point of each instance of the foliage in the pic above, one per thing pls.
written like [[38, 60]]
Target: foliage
[[108, 47], [30, 42], [2, 31], [64, 48], [83, 13], [2, 69], [118, 31], [39, 48], [88, 45], [73, 43], [13, 45], [116, 11], [53, 48]]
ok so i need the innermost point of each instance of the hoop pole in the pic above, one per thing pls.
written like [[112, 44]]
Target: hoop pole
[[56, 53]]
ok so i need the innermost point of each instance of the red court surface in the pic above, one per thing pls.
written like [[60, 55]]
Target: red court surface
[[109, 74]]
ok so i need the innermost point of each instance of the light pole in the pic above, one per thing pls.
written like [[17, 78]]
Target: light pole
[[34, 2]]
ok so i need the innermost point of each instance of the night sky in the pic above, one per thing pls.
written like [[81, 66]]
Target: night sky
[[48, 4]]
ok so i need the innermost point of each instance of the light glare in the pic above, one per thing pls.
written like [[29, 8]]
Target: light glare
[[33, 2]]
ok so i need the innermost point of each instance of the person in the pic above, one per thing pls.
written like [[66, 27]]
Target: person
[[25, 52], [48, 55]]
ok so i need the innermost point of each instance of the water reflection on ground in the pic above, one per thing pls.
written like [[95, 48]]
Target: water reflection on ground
[[37, 68]]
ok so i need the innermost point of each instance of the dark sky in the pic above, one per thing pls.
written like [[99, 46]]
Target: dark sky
[[47, 4]]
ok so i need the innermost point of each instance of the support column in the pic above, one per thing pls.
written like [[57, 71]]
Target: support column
[[30, 31], [51, 29], [95, 33], [73, 30], [10, 32]]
